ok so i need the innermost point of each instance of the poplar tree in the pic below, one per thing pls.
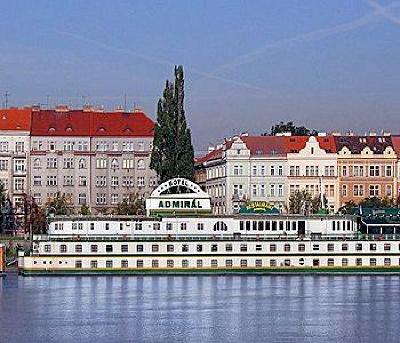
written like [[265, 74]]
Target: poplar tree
[[172, 154]]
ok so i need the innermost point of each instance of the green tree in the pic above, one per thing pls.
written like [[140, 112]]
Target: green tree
[[300, 202], [173, 153], [59, 205], [290, 127], [85, 210], [132, 206], [7, 213], [376, 202]]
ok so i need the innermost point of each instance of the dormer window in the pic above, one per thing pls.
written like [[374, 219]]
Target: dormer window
[[101, 129], [68, 129], [312, 151], [238, 151], [52, 129]]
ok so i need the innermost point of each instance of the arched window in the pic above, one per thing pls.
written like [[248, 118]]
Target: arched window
[[114, 164], [220, 226], [140, 164], [82, 163], [36, 163]]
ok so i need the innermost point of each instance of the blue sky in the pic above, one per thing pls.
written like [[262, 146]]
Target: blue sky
[[330, 65]]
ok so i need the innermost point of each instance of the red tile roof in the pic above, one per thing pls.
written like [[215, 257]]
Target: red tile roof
[[296, 143], [83, 123], [264, 145], [15, 119], [356, 144], [396, 144]]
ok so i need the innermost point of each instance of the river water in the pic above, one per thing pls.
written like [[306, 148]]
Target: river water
[[200, 309]]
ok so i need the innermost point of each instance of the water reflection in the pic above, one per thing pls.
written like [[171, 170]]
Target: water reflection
[[200, 309]]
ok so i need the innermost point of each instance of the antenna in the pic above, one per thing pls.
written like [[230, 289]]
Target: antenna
[[6, 95], [124, 102]]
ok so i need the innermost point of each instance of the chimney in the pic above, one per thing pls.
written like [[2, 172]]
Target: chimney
[[62, 108], [211, 148], [87, 108], [119, 109]]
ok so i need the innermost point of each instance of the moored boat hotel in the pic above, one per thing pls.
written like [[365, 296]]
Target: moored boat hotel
[[184, 239]]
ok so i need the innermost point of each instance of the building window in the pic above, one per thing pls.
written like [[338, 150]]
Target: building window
[[37, 180], [389, 171], [374, 190], [68, 163], [51, 180], [128, 163], [68, 180], [141, 164], [389, 191], [101, 199], [19, 147], [344, 190], [52, 163], [114, 164], [140, 181], [3, 146], [82, 164], [358, 190], [82, 199], [101, 163], [373, 170]]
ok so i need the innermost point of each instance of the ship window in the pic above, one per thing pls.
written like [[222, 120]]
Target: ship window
[[200, 226], [301, 261], [358, 261], [91, 226], [315, 262], [121, 226], [386, 247], [294, 226], [185, 263], [248, 225], [372, 247], [78, 264], [138, 226], [170, 248], [243, 263], [345, 262], [286, 263], [372, 262], [387, 261], [258, 247], [241, 225], [272, 247], [302, 247], [287, 225], [315, 247], [199, 263], [214, 247], [154, 264], [229, 263], [124, 248], [63, 248], [260, 226], [109, 248], [345, 247], [258, 263], [267, 225], [280, 225], [109, 264], [154, 248], [199, 248], [93, 264], [272, 263], [214, 263], [220, 226], [243, 247], [47, 248], [254, 225], [169, 226], [183, 226], [185, 247], [286, 247], [170, 263], [273, 225], [139, 264], [93, 248], [78, 248], [228, 247], [331, 247], [74, 226], [107, 226], [331, 262], [358, 246], [139, 248], [333, 226]]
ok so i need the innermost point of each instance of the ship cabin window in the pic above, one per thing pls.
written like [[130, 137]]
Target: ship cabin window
[[63, 248], [281, 225], [345, 262], [286, 247], [302, 227], [372, 262], [286, 263], [386, 246], [124, 248], [267, 226], [258, 247], [228, 247], [331, 262], [258, 263], [358, 246], [228, 263], [315, 247], [214, 263], [93, 264], [138, 226], [243, 247], [348, 225], [109, 248], [315, 262], [358, 261], [78, 248], [185, 263], [387, 261], [345, 247], [107, 226], [80, 226], [139, 264], [254, 225], [47, 248], [248, 225], [287, 228], [185, 247], [170, 263], [78, 264], [170, 248], [74, 226], [154, 264], [273, 225], [183, 226], [333, 225], [302, 247], [214, 247], [109, 264], [260, 225], [272, 263], [200, 226], [331, 247], [154, 248], [139, 248], [220, 226], [241, 225], [169, 226], [93, 248], [294, 226], [91, 226], [372, 247], [121, 226], [243, 263], [199, 263], [199, 248], [272, 247]]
